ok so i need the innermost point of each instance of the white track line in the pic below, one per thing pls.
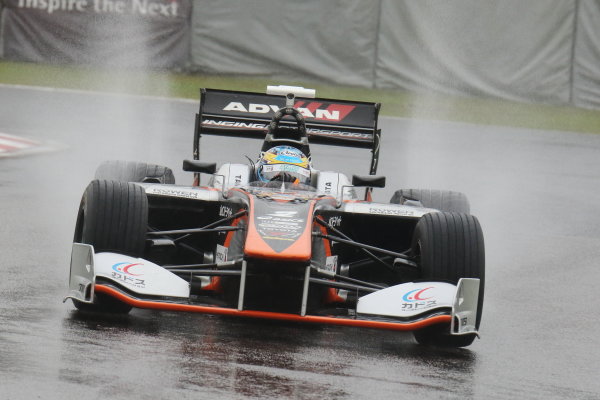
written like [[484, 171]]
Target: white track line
[[98, 93]]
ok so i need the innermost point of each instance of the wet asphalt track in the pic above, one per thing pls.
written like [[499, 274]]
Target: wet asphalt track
[[537, 195]]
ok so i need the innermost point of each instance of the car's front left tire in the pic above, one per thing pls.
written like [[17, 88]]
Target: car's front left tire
[[113, 217]]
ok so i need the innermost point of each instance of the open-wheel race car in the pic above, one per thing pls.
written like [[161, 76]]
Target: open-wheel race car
[[277, 238]]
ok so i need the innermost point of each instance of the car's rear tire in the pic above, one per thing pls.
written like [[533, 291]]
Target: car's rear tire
[[113, 216], [443, 200], [449, 246], [131, 171]]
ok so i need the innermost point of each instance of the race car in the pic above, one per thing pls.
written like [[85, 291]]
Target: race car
[[276, 238]]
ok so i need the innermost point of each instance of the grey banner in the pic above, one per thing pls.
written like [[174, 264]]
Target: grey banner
[[333, 40], [586, 75], [511, 49], [130, 33]]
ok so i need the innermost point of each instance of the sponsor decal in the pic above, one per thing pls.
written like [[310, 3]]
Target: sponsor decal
[[313, 110], [280, 225], [390, 211], [331, 263], [232, 124], [283, 213], [333, 112], [416, 295], [343, 134], [288, 153], [286, 168], [299, 197], [225, 211], [129, 273], [149, 8], [188, 194], [238, 180], [311, 131], [287, 216], [335, 222], [417, 299], [221, 254], [251, 108]]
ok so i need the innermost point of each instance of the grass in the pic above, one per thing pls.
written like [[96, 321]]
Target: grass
[[394, 102]]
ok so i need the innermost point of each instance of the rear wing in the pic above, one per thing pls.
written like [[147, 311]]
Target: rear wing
[[328, 121]]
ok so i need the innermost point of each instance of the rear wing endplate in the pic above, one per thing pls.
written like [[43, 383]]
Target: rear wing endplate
[[328, 121]]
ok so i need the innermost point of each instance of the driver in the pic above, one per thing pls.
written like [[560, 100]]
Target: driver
[[285, 164]]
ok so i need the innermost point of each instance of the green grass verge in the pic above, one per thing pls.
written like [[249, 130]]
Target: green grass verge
[[394, 103]]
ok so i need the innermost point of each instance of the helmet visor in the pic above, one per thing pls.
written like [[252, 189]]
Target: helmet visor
[[285, 172]]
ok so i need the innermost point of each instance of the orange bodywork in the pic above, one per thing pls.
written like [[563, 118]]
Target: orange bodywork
[[331, 295], [215, 281], [395, 326], [257, 247]]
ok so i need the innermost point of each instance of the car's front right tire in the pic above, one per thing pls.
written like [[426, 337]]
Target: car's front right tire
[[447, 247]]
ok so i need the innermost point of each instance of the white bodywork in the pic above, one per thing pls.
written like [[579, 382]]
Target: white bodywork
[[396, 210], [335, 184], [330, 183], [407, 300], [186, 192], [231, 175], [136, 274], [411, 299]]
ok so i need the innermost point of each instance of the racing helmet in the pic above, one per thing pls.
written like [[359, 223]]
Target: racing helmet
[[283, 163]]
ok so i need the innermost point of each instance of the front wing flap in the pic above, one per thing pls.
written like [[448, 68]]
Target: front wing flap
[[133, 275], [410, 300], [142, 284]]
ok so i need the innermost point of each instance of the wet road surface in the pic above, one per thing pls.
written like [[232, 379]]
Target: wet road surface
[[537, 195]]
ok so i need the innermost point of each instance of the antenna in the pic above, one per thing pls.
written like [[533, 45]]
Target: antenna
[[291, 92]]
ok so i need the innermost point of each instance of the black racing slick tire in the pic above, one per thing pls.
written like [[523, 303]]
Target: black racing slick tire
[[443, 200], [113, 216], [131, 171], [447, 247]]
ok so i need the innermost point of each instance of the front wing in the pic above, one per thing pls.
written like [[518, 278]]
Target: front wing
[[142, 284]]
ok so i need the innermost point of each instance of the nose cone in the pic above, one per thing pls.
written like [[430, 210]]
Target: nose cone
[[279, 230]]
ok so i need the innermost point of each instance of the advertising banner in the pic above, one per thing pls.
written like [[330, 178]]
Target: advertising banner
[[130, 33]]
